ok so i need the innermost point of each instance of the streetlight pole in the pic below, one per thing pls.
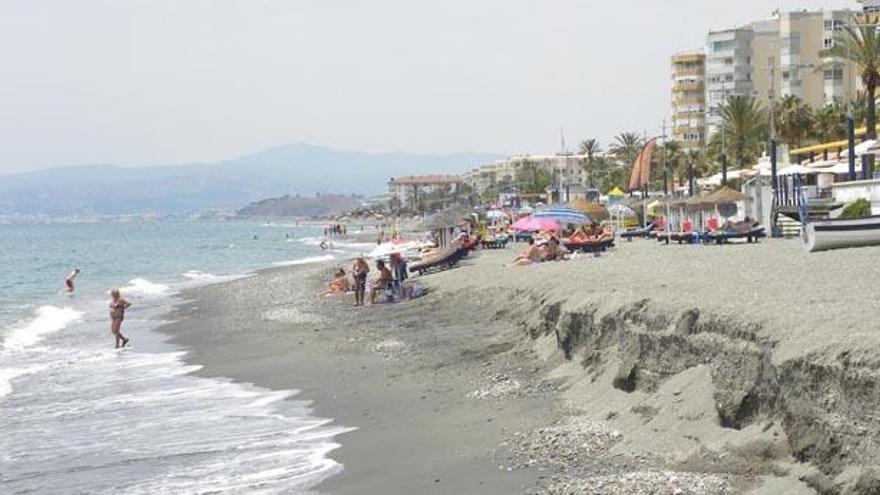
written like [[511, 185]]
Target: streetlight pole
[[850, 114], [665, 166]]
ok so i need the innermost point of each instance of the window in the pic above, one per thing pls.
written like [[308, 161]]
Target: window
[[833, 74], [828, 43]]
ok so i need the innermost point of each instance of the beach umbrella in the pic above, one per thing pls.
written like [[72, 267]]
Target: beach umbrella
[[797, 170], [495, 215], [725, 195], [534, 224], [564, 216], [621, 211]]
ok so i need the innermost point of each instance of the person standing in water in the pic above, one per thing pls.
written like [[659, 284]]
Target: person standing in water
[[117, 313], [68, 282]]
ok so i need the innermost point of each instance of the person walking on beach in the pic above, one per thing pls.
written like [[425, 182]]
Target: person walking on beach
[[68, 282], [118, 305], [360, 269]]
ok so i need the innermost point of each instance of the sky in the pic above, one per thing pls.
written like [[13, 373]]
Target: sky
[[155, 82]]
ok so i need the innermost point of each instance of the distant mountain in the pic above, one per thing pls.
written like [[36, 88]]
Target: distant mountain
[[301, 206], [183, 189]]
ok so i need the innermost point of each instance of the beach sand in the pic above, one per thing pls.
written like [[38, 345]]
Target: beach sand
[[651, 369]]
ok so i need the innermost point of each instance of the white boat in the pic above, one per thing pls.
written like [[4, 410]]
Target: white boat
[[841, 233]]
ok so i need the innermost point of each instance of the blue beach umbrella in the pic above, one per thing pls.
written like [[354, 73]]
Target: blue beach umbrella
[[564, 216]]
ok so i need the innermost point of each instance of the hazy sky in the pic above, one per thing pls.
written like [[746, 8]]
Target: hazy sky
[[166, 81]]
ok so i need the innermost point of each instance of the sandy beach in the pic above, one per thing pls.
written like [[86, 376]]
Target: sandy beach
[[651, 369]]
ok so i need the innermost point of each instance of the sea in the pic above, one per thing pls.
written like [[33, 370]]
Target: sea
[[78, 416]]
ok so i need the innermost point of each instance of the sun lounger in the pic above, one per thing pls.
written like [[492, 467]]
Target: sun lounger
[[442, 262], [749, 233], [643, 232], [497, 243], [590, 245]]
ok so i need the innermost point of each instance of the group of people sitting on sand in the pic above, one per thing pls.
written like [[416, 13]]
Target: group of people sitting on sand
[[342, 283], [544, 249]]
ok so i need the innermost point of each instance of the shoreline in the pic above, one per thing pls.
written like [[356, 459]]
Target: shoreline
[[466, 389], [433, 438]]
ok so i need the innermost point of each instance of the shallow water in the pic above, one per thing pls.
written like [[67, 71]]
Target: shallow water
[[77, 416]]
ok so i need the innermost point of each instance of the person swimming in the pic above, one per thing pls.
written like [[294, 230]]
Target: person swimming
[[118, 305], [69, 280]]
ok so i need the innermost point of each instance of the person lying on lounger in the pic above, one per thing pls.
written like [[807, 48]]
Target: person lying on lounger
[[530, 256]]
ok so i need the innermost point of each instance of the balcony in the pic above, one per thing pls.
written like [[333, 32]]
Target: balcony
[[688, 86]]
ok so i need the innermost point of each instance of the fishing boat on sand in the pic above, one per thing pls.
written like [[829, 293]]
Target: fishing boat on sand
[[821, 235]]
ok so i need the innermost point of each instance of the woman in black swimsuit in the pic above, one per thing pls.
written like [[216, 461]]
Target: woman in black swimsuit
[[117, 313]]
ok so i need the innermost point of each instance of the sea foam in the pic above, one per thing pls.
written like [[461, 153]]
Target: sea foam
[[47, 319], [143, 287], [307, 261]]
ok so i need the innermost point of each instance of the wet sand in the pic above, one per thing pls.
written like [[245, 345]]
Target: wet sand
[[652, 369]]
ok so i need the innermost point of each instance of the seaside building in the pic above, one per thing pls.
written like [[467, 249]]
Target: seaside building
[[406, 192], [563, 168], [728, 69], [689, 99], [774, 58]]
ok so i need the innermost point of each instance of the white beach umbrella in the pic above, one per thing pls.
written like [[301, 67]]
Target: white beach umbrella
[[797, 170], [868, 147]]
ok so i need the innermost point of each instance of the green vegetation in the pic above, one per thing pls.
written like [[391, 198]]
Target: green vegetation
[[857, 209], [861, 45], [532, 178]]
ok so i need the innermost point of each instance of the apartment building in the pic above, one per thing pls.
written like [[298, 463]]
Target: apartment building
[[774, 58], [564, 168], [404, 190], [689, 99]]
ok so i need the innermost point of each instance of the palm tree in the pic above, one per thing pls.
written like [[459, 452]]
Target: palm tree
[[590, 148], [627, 146], [695, 163], [532, 178], [828, 123], [794, 120], [673, 157], [745, 123], [861, 45]]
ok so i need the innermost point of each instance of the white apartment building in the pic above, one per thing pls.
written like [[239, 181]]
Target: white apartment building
[[565, 169], [728, 69], [403, 190]]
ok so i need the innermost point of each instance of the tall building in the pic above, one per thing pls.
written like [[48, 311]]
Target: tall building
[[689, 99], [775, 58], [728, 69]]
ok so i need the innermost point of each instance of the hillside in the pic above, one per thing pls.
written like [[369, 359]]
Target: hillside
[[300, 206], [189, 188]]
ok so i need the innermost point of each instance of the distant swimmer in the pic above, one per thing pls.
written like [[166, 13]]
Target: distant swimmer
[[324, 246], [117, 313], [69, 281]]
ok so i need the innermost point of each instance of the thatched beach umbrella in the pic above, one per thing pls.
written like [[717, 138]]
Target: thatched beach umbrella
[[593, 210], [725, 195]]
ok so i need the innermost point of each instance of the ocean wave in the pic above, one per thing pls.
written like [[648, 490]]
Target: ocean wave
[[47, 319], [143, 287], [307, 261], [7, 375], [199, 275]]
